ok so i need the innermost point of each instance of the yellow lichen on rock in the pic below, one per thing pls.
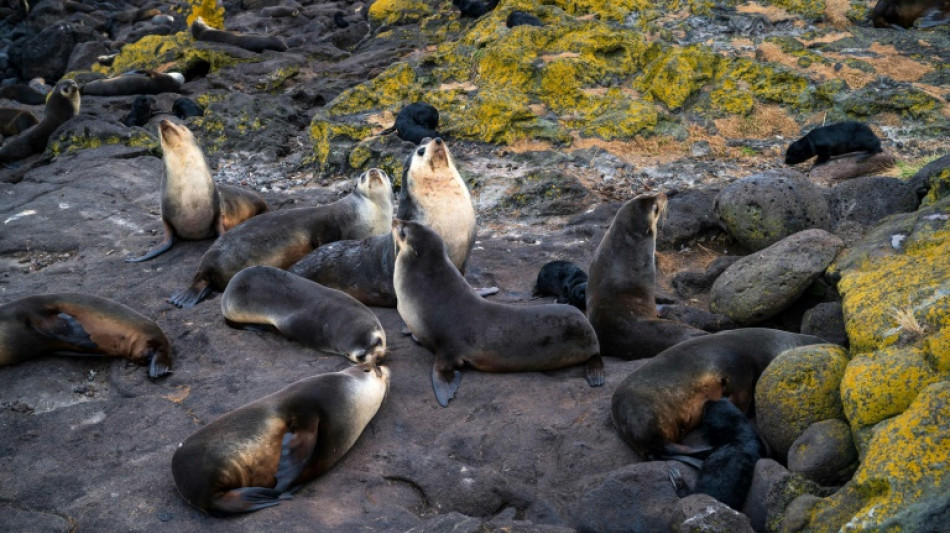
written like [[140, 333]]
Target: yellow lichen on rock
[[678, 73], [395, 85], [176, 52], [392, 12], [209, 10]]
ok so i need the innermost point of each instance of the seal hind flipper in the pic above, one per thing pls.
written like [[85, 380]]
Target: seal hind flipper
[[295, 450], [673, 450], [62, 327], [486, 291], [594, 373], [686, 460], [162, 248], [445, 383], [190, 296], [264, 328], [679, 484], [248, 499]]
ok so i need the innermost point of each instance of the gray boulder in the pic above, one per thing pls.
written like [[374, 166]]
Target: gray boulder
[[689, 216], [824, 453], [826, 320], [701, 513], [867, 200], [46, 54]]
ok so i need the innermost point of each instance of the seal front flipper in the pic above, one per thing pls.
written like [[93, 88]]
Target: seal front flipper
[[595, 371], [445, 383], [62, 327], [162, 248], [295, 450], [159, 363], [247, 499]]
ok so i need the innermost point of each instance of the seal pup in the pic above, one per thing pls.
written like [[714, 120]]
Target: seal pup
[[564, 280], [522, 18], [415, 122], [255, 43], [193, 208], [474, 8], [621, 303], [662, 401], [322, 318], [833, 139], [141, 111], [726, 474], [15, 121], [133, 84], [80, 324], [281, 238], [186, 107], [461, 328], [62, 105], [257, 455], [903, 13]]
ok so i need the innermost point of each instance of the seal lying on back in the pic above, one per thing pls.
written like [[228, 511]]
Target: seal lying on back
[[255, 43], [281, 238], [132, 84], [257, 455], [193, 207], [621, 303], [15, 121], [319, 317], [449, 318], [833, 139], [80, 324], [62, 105], [663, 400]]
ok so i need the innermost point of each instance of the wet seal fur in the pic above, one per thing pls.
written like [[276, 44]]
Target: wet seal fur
[[564, 280], [726, 474], [255, 43], [81, 324], [663, 400], [434, 193], [833, 139], [316, 316], [281, 238], [462, 329], [621, 302], [474, 8], [903, 13], [134, 84], [15, 121], [62, 105], [415, 122], [141, 111], [186, 107], [259, 454], [193, 207]]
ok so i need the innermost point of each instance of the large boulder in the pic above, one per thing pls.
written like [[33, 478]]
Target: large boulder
[[46, 54], [866, 201], [701, 513], [826, 320], [824, 453]]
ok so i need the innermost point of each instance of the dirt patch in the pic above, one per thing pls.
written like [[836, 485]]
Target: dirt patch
[[852, 76], [889, 62], [765, 121], [771, 13], [837, 12]]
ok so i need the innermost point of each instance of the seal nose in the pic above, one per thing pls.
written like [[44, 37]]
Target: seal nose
[[438, 141]]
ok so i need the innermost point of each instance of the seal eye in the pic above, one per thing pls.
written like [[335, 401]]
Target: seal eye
[[421, 151]]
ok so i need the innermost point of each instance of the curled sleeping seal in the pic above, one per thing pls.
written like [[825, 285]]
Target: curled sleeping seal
[[62, 105], [23, 93], [15, 121], [621, 303], [564, 280], [474, 8], [726, 473], [193, 208], [281, 238], [133, 84], [80, 324], [257, 455], [522, 18], [434, 193], [186, 107], [449, 318], [903, 13], [833, 139], [662, 401], [255, 43], [319, 317], [141, 111], [415, 122]]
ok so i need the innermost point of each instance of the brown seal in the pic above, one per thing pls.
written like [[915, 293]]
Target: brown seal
[[255, 43], [62, 105], [662, 401], [193, 207], [903, 13], [150, 83], [620, 290], [257, 455], [15, 121], [23, 93], [80, 324], [281, 238], [449, 318], [319, 317]]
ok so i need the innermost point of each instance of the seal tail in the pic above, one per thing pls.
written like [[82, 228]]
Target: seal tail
[[187, 298]]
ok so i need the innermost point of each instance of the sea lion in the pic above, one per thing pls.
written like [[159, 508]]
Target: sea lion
[[62, 105], [255, 43], [522, 18], [462, 329], [23, 93], [833, 139], [415, 122], [80, 324], [564, 280], [193, 208], [133, 84], [903, 13], [257, 455], [659, 403], [322, 318], [281, 238], [621, 303], [15, 121], [474, 8], [141, 111]]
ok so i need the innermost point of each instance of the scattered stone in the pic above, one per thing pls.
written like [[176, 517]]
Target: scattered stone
[[700, 513], [824, 453], [689, 283], [826, 320], [689, 216]]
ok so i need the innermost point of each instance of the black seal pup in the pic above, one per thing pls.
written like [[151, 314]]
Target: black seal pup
[[80, 324], [833, 139], [62, 105], [257, 455], [415, 122], [462, 329], [141, 111], [474, 8], [186, 107], [255, 43], [522, 18], [564, 280]]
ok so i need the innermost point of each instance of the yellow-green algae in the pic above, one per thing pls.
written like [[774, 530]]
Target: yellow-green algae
[[813, 9], [209, 10], [323, 131], [180, 49], [69, 144], [939, 185], [391, 12]]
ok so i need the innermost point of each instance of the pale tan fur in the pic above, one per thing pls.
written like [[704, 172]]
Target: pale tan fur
[[188, 180]]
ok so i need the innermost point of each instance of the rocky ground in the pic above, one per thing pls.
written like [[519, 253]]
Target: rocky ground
[[549, 150]]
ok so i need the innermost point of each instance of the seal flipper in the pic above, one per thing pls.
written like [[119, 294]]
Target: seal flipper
[[673, 450], [685, 459], [679, 484], [165, 246], [247, 499], [445, 383], [295, 449], [158, 363], [185, 298], [62, 327], [595, 371]]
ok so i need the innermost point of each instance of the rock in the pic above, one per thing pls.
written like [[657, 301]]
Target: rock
[[768, 475], [545, 193], [689, 216], [689, 283], [799, 388], [29, 521], [84, 55], [850, 166], [797, 513], [921, 181], [84, 131], [763, 209], [824, 453], [761, 285], [693, 316], [700, 513], [867, 200], [46, 54], [826, 320], [450, 523]]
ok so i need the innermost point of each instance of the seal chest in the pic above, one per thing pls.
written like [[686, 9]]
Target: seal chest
[[188, 194]]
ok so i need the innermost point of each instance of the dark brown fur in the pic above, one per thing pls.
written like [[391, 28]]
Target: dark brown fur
[[62, 105]]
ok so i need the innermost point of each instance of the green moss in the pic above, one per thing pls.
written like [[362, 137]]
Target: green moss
[[323, 132], [275, 80], [678, 73], [939, 187], [208, 10]]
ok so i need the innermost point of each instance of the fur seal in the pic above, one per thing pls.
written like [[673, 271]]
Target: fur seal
[[903, 13], [62, 105], [186, 107], [621, 303], [80, 324], [281, 238], [833, 139], [474, 8], [461, 328], [133, 84], [141, 111], [15, 121], [23, 93], [255, 43], [193, 208], [564, 280], [309, 313], [522, 18], [662, 401], [362, 269], [415, 122], [257, 455]]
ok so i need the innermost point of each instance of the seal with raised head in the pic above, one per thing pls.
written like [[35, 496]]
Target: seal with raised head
[[80, 324], [133, 84], [257, 455], [833, 139], [281, 238], [662, 401], [62, 105], [621, 302], [15, 121], [255, 43], [449, 318], [319, 317], [193, 207]]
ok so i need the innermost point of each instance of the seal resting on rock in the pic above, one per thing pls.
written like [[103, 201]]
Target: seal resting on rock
[[564, 280], [62, 105], [257, 455], [415, 122], [449, 318], [15, 121], [80, 324], [474, 8], [255, 43], [833, 139], [522, 18], [141, 111], [150, 83]]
